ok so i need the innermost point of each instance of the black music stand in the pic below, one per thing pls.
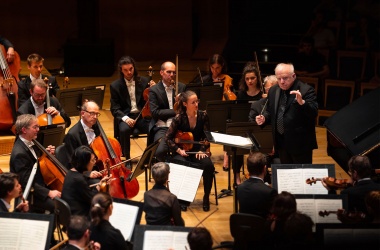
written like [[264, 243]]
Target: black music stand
[[145, 162]]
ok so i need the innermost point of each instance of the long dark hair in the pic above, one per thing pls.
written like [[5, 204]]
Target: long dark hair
[[99, 205], [183, 97], [250, 67], [216, 58], [81, 158], [127, 60]]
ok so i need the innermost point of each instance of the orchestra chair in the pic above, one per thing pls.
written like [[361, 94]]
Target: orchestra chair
[[62, 217], [61, 154], [351, 65], [366, 87], [338, 93], [248, 230]]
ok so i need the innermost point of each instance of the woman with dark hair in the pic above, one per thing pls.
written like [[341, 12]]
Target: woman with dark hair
[[101, 229], [190, 119], [249, 85], [76, 190]]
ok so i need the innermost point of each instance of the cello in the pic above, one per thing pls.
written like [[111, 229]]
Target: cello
[[46, 119], [52, 170], [108, 150], [8, 89]]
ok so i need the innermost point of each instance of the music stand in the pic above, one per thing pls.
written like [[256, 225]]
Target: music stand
[[145, 162]]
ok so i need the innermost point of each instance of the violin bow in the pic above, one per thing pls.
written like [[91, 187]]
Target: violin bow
[[258, 69]]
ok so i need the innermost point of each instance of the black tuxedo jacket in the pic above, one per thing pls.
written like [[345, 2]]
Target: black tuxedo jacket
[[21, 162], [299, 120], [76, 137], [356, 194], [159, 104], [27, 108], [24, 88], [120, 99]]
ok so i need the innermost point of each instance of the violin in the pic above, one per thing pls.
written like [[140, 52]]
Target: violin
[[345, 216], [46, 119], [185, 140], [8, 89], [331, 182], [109, 149], [228, 95]]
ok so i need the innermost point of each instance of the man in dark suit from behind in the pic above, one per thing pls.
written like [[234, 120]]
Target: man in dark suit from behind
[[78, 233], [254, 196], [35, 65]]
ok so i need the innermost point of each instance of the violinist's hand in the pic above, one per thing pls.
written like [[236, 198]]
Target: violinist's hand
[[51, 149], [152, 83], [10, 55], [260, 119], [23, 206], [298, 96], [181, 152], [108, 179], [54, 193], [52, 111], [95, 174], [131, 123], [201, 155]]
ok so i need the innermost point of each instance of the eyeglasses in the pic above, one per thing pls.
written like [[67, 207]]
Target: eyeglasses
[[94, 114], [169, 72], [39, 95]]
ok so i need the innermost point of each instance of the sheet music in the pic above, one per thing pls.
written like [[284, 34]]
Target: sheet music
[[164, 240], [30, 181], [22, 234], [124, 218], [184, 181], [232, 139], [294, 180], [312, 207]]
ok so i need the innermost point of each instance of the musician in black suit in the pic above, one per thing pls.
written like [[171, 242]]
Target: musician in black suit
[[254, 196], [84, 132], [10, 188], [35, 64], [37, 105], [292, 109], [161, 101], [127, 102], [23, 157], [76, 190], [78, 233], [360, 169]]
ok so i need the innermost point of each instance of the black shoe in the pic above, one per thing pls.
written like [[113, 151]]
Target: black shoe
[[226, 169], [206, 203], [184, 208]]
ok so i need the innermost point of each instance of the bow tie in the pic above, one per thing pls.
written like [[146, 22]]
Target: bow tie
[[167, 88], [130, 83], [29, 144], [88, 130]]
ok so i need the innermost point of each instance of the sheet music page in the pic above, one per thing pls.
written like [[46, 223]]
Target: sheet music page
[[315, 188], [184, 181], [290, 180], [164, 240], [124, 218], [307, 206], [293, 180], [23, 234], [327, 205], [232, 139]]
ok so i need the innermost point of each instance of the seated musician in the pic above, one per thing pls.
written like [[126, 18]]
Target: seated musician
[[10, 189], [84, 132], [76, 190], [35, 64], [127, 102], [160, 206], [9, 48], [37, 105], [101, 229], [161, 102], [360, 170], [23, 157], [190, 119]]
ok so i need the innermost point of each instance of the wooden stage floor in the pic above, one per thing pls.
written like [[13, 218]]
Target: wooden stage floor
[[217, 219]]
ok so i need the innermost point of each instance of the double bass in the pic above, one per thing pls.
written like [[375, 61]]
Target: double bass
[[108, 150], [8, 89]]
